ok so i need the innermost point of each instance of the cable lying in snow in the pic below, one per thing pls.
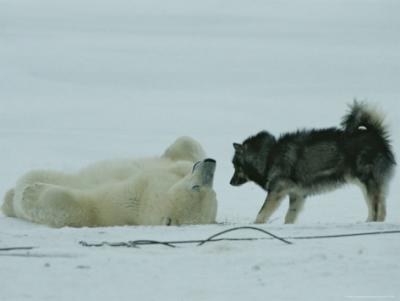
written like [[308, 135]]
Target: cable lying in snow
[[16, 248], [347, 235], [213, 238], [172, 244], [242, 228]]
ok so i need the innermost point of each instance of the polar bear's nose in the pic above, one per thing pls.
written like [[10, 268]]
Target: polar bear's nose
[[209, 160]]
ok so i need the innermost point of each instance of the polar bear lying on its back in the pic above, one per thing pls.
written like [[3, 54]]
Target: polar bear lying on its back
[[169, 190]]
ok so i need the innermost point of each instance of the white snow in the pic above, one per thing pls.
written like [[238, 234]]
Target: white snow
[[82, 81]]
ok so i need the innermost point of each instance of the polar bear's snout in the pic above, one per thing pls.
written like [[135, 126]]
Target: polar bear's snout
[[205, 165], [207, 161], [203, 173], [208, 170]]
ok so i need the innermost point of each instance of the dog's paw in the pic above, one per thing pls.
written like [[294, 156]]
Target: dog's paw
[[259, 220], [369, 219]]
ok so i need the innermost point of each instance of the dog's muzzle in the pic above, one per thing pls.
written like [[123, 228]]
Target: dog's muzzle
[[238, 180]]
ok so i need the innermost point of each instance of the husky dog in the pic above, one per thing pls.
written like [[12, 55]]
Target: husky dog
[[308, 162], [168, 190]]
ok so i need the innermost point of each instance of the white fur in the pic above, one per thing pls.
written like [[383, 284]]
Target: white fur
[[152, 191]]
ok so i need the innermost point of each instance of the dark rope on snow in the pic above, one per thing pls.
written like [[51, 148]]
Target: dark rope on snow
[[213, 238], [129, 244], [137, 243], [16, 248], [242, 228], [347, 235]]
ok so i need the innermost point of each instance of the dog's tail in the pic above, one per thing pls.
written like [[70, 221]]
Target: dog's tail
[[365, 117]]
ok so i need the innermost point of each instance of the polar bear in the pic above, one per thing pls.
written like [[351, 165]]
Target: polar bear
[[174, 189]]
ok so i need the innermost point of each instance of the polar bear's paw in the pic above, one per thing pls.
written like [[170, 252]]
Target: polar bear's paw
[[56, 206], [33, 192], [8, 204], [45, 195]]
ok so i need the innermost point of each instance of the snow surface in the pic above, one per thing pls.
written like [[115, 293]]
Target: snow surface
[[82, 81]]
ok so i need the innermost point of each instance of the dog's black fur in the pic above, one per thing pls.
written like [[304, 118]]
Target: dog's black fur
[[307, 162]]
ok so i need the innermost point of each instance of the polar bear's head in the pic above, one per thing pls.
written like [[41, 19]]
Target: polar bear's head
[[193, 199]]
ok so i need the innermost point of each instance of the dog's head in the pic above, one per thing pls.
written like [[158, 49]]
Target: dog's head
[[238, 161], [250, 158]]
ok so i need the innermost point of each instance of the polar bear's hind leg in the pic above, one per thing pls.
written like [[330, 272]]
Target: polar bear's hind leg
[[56, 206]]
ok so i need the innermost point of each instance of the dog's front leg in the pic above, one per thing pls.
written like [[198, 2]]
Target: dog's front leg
[[296, 204], [272, 202]]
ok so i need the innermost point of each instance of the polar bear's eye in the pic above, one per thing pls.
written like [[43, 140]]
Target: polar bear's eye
[[196, 188]]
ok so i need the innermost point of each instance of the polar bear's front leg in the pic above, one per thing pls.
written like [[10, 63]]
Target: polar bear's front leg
[[56, 206], [185, 149]]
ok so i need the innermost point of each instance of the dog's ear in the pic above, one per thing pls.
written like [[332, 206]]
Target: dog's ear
[[238, 147]]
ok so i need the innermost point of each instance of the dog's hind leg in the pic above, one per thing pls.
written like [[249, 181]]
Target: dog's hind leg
[[296, 204], [274, 199], [381, 212], [371, 211], [378, 204], [368, 201], [376, 201]]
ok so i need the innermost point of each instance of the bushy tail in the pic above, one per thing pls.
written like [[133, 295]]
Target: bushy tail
[[363, 116]]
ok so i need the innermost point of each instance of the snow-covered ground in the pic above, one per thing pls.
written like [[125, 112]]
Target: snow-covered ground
[[82, 81]]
